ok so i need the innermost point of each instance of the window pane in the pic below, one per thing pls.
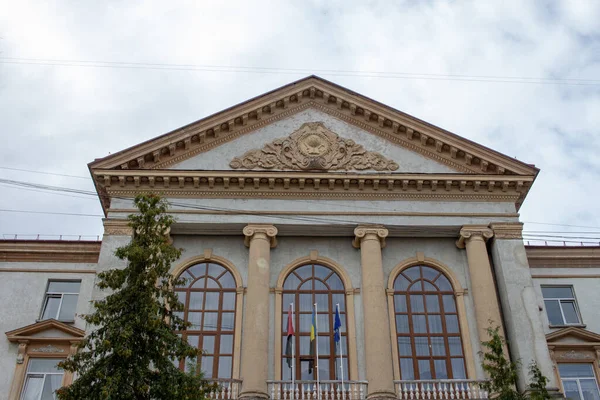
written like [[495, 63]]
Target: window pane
[[424, 369], [419, 324], [589, 389], [553, 292], [451, 323], [193, 340], [323, 369], [323, 322], [455, 346], [51, 308], [210, 321], [322, 301], [458, 368], [68, 307], [63, 287], [181, 296], [444, 284], [286, 370], [440, 369], [335, 283], [575, 370], [338, 298], [421, 346], [224, 367], [212, 284], [229, 301], [196, 300], [43, 365], [226, 344], [194, 318], [52, 384], [33, 387], [227, 321], [227, 281], [306, 302], [212, 301], [429, 273], [321, 272], [553, 311], [401, 283], [200, 284], [412, 273], [438, 348], [187, 277], [435, 323], [215, 270], [570, 312], [304, 272], [428, 287], [406, 369], [207, 366], [402, 324], [305, 322], [291, 282], [416, 303], [432, 303], [416, 286], [571, 390], [449, 304], [324, 345], [320, 285], [304, 345], [197, 270], [404, 347], [400, 303]]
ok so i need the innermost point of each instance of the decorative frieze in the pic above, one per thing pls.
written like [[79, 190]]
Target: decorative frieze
[[507, 230], [117, 227], [48, 349], [313, 147]]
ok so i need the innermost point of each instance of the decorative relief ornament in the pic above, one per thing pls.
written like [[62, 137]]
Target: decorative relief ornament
[[48, 349], [313, 147]]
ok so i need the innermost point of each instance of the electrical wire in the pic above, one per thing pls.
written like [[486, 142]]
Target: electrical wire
[[296, 71], [45, 173]]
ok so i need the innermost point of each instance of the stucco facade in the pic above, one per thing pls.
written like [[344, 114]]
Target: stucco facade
[[312, 174]]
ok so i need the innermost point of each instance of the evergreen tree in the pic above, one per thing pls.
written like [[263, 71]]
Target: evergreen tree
[[129, 354]]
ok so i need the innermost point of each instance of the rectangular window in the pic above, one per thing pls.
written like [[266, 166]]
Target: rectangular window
[[579, 381], [43, 379], [561, 305], [60, 302]]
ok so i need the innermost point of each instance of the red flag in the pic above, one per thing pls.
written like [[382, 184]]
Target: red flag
[[290, 334]]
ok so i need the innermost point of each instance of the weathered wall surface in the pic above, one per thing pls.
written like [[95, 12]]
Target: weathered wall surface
[[22, 296]]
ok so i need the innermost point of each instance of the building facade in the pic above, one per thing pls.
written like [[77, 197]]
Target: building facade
[[315, 195]]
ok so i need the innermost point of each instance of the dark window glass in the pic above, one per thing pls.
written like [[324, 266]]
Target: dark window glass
[[427, 328], [561, 306], [305, 286], [209, 299]]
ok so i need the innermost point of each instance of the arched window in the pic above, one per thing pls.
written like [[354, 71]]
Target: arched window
[[427, 326], [209, 297], [305, 286]]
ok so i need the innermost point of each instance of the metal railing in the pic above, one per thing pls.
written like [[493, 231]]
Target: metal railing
[[308, 390], [451, 389], [229, 389]]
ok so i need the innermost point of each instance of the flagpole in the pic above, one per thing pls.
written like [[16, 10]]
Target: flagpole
[[317, 350], [293, 357], [337, 306]]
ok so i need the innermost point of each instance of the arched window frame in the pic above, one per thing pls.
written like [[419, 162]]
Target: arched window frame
[[209, 257], [313, 258], [459, 292]]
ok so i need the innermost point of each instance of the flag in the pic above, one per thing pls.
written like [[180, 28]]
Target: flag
[[313, 337], [290, 334], [337, 324]]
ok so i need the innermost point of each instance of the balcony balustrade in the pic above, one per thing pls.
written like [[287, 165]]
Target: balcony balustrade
[[449, 389], [229, 389], [309, 390]]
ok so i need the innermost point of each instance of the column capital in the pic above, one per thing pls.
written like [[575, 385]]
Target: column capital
[[369, 232], [507, 230], [473, 232], [260, 231]]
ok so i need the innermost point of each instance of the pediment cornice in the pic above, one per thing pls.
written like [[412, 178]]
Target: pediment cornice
[[397, 127], [287, 184], [33, 332], [579, 334]]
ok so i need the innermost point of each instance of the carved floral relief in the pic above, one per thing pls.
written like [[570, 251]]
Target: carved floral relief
[[313, 147]]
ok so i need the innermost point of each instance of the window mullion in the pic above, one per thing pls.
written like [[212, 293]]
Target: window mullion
[[562, 313]]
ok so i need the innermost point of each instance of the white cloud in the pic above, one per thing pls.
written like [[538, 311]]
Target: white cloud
[[61, 118]]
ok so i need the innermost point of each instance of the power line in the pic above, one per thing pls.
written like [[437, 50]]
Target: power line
[[51, 212], [45, 173], [296, 71]]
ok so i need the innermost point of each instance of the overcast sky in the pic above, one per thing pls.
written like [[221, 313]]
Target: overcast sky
[[57, 118]]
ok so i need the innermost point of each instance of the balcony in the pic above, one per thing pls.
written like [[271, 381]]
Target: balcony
[[326, 390], [440, 389], [229, 389]]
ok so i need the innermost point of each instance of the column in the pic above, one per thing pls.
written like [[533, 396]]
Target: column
[[524, 326], [378, 346], [255, 334], [483, 288]]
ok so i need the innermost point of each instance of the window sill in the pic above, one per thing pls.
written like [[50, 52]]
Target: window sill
[[568, 326]]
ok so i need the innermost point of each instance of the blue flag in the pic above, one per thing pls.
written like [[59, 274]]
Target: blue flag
[[337, 324]]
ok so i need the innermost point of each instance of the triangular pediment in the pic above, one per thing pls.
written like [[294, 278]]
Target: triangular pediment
[[46, 330], [389, 149], [313, 92], [572, 335]]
